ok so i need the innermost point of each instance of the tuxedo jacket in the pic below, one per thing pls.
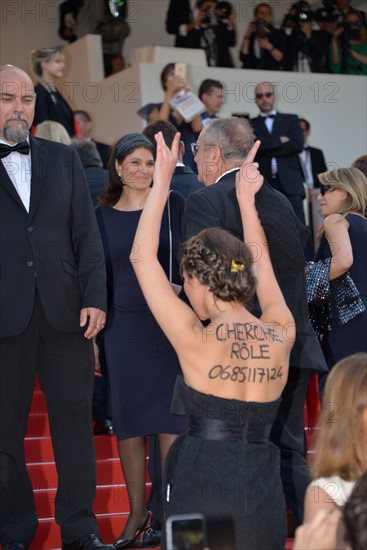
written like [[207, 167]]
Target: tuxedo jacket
[[290, 172], [318, 164], [55, 249], [217, 206], [185, 181]]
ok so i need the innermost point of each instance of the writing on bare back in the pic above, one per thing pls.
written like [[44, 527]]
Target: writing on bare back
[[250, 332], [246, 374]]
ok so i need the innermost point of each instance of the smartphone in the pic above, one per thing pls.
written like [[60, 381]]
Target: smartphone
[[186, 532], [180, 70]]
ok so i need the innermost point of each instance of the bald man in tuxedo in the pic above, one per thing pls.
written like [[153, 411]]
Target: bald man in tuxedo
[[52, 305]]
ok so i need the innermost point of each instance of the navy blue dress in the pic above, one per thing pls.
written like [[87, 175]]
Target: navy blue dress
[[141, 362], [343, 340]]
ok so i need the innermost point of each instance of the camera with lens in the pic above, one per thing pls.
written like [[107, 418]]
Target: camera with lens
[[302, 13], [214, 15], [350, 32], [223, 11], [328, 13], [263, 28]]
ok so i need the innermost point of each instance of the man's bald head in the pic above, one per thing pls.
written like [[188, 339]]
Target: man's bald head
[[17, 103]]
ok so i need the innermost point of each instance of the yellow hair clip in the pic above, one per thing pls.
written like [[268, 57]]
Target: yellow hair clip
[[235, 268]]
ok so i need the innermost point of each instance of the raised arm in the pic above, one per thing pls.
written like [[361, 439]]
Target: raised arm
[[337, 235], [271, 300], [171, 313]]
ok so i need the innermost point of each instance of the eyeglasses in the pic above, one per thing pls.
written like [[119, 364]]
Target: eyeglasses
[[326, 189], [267, 94], [195, 147]]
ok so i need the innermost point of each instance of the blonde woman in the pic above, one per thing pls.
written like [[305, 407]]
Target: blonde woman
[[54, 131], [341, 449], [48, 65], [339, 307]]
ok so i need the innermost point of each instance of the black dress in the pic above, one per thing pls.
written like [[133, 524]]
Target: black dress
[[345, 339], [225, 465], [50, 105], [141, 363]]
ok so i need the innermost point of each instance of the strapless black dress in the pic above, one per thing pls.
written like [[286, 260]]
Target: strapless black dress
[[225, 466]]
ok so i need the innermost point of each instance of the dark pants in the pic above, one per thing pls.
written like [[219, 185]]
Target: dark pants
[[64, 364], [102, 407], [288, 435]]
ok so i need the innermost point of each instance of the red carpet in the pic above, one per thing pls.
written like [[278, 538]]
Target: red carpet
[[111, 505]]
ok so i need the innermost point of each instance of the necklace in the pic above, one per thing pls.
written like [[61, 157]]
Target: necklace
[[127, 206]]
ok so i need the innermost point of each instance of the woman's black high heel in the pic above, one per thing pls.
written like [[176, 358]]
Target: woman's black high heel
[[130, 543]]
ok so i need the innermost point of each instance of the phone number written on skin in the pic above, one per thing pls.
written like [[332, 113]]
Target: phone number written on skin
[[246, 374]]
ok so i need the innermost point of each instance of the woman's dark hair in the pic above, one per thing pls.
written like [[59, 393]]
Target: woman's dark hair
[[355, 515], [223, 263], [164, 74], [126, 145]]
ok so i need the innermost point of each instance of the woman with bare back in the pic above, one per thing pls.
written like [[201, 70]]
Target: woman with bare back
[[234, 369]]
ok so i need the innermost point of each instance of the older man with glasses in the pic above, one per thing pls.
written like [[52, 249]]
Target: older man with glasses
[[220, 151]]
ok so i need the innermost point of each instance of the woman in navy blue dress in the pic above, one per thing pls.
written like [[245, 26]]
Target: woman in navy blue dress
[[142, 364], [342, 304]]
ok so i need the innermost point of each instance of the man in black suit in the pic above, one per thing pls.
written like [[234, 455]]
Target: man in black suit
[[312, 160], [184, 180], [85, 131], [180, 20], [281, 141], [222, 147], [52, 305]]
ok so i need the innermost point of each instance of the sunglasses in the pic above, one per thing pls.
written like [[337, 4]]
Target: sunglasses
[[326, 189], [267, 94]]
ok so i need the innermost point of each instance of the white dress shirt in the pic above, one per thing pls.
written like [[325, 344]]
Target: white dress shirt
[[19, 168]]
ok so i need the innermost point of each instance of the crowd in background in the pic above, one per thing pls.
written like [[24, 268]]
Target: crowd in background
[[320, 37]]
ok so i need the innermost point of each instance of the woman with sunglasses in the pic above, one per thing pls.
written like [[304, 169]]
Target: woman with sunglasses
[[337, 282]]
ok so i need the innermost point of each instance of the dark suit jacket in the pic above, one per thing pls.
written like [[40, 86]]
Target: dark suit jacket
[[179, 13], [217, 206], [185, 181], [97, 179], [104, 151], [289, 168], [56, 247], [224, 38], [315, 48], [318, 164], [266, 60]]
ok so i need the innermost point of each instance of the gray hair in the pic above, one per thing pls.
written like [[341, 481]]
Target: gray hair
[[234, 136], [88, 152]]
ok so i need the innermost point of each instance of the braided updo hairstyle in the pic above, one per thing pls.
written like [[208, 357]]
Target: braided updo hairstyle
[[223, 263]]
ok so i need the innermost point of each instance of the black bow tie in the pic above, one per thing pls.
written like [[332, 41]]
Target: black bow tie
[[22, 148], [268, 116]]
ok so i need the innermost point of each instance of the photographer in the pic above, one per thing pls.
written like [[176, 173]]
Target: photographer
[[107, 18], [306, 48], [348, 50], [213, 30], [263, 46]]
